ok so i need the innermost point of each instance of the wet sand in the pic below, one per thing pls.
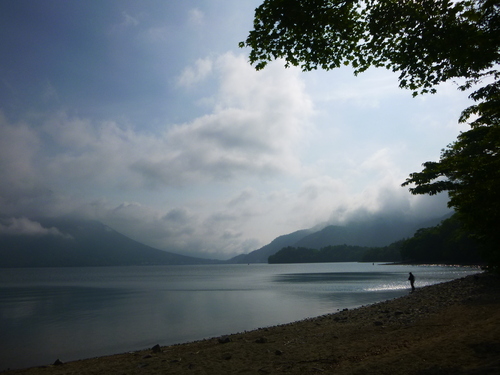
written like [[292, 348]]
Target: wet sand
[[449, 328]]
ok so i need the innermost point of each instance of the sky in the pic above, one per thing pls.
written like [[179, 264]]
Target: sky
[[146, 116]]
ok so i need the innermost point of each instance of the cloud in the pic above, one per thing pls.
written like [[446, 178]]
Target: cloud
[[225, 182], [19, 163], [256, 127], [192, 75], [24, 226], [170, 140], [177, 229], [245, 196], [369, 188], [128, 20], [156, 35], [364, 91], [196, 17]]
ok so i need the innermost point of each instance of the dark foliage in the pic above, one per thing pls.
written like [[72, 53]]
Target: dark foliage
[[446, 243], [339, 253], [391, 253]]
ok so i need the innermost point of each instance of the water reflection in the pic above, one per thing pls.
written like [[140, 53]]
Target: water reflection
[[79, 313], [42, 324], [38, 321], [331, 277]]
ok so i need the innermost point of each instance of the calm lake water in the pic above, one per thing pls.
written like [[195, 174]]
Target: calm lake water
[[75, 313]]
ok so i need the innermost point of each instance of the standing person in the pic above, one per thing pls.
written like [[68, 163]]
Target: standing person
[[412, 281]]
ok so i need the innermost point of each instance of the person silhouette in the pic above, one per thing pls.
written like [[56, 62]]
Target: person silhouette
[[412, 281]]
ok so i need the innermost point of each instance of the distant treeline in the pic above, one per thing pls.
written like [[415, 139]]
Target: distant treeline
[[447, 242], [337, 253], [444, 243]]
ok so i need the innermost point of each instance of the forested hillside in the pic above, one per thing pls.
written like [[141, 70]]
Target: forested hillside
[[446, 243]]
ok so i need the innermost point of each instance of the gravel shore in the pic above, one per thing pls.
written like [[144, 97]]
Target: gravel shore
[[449, 328]]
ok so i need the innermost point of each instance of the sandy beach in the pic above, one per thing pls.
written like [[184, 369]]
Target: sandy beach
[[449, 328]]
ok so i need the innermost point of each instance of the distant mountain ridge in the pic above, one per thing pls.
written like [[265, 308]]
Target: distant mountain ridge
[[264, 252], [69, 242], [372, 232]]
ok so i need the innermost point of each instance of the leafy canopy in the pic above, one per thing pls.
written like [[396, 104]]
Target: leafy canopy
[[427, 42]]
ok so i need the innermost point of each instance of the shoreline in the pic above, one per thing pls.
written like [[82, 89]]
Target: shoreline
[[411, 263], [452, 327]]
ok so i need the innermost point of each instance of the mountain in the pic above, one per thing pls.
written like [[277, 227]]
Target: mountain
[[69, 242], [376, 231], [261, 255]]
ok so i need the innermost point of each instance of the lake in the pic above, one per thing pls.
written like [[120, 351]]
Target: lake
[[76, 313]]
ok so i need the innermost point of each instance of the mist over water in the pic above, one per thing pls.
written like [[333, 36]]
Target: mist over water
[[75, 313]]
